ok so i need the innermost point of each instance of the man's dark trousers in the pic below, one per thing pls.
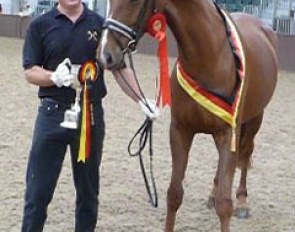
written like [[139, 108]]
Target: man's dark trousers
[[47, 153]]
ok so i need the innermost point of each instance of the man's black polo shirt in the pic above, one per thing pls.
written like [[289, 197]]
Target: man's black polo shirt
[[52, 37]]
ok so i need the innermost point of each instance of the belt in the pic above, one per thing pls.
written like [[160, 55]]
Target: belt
[[57, 104], [97, 102]]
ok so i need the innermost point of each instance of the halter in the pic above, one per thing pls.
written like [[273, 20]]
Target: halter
[[133, 34]]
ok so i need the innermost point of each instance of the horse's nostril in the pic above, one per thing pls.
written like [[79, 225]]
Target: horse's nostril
[[109, 58]]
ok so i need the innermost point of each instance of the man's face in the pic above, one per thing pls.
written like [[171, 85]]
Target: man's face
[[68, 4]]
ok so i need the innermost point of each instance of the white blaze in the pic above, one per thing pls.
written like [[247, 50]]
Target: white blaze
[[104, 37]]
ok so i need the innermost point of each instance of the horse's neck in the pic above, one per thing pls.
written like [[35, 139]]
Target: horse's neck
[[202, 43]]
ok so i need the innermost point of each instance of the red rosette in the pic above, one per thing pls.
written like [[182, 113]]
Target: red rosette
[[156, 27]]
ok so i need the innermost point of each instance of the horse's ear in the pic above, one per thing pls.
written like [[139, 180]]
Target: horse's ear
[[160, 5]]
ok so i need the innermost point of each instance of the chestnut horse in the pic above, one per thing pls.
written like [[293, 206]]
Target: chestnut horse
[[208, 58]]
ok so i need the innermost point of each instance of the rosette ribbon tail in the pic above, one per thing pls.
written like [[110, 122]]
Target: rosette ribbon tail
[[157, 29]]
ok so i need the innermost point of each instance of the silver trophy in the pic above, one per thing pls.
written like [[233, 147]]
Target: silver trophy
[[71, 117]]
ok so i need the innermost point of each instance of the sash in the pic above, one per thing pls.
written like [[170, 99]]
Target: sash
[[228, 112]]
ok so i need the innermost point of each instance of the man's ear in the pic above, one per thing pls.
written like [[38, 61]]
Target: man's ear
[[160, 5]]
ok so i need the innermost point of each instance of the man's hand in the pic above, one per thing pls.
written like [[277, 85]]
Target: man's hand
[[149, 108], [62, 75]]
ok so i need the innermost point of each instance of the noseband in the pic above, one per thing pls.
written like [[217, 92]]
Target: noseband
[[133, 34]]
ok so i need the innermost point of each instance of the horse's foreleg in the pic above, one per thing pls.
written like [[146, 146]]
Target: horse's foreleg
[[226, 166], [180, 142]]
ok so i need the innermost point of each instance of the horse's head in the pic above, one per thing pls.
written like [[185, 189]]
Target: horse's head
[[125, 24]]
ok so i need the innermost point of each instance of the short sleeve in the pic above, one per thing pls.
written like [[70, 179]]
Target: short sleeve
[[32, 49]]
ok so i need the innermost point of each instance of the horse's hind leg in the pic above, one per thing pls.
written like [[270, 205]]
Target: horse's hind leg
[[226, 170], [248, 132], [211, 199], [180, 142]]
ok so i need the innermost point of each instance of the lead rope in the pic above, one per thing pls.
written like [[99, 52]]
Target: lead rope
[[144, 136]]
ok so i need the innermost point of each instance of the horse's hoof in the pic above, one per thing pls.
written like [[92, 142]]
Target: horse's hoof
[[242, 212], [211, 202]]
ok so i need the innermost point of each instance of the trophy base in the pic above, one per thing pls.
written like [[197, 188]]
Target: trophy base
[[70, 119], [69, 125]]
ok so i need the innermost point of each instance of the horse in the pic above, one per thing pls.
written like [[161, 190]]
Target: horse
[[209, 60]]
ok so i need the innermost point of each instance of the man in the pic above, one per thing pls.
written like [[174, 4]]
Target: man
[[58, 44]]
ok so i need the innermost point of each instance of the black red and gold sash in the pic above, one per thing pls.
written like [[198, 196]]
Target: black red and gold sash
[[214, 104]]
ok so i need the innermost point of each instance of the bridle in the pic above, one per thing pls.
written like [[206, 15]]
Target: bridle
[[134, 33]]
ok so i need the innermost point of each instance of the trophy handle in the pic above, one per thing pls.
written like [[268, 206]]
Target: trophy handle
[[71, 116]]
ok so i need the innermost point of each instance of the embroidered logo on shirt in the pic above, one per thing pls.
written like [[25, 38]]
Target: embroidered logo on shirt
[[92, 35]]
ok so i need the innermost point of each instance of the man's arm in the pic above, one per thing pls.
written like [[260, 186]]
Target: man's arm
[[36, 75], [62, 76]]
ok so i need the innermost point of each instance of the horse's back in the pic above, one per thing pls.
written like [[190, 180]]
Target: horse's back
[[260, 46]]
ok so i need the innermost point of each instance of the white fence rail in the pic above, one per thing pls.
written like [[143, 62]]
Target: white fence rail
[[279, 14], [285, 26]]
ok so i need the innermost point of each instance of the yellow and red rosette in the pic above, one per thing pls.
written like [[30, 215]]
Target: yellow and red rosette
[[156, 27], [87, 75]]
